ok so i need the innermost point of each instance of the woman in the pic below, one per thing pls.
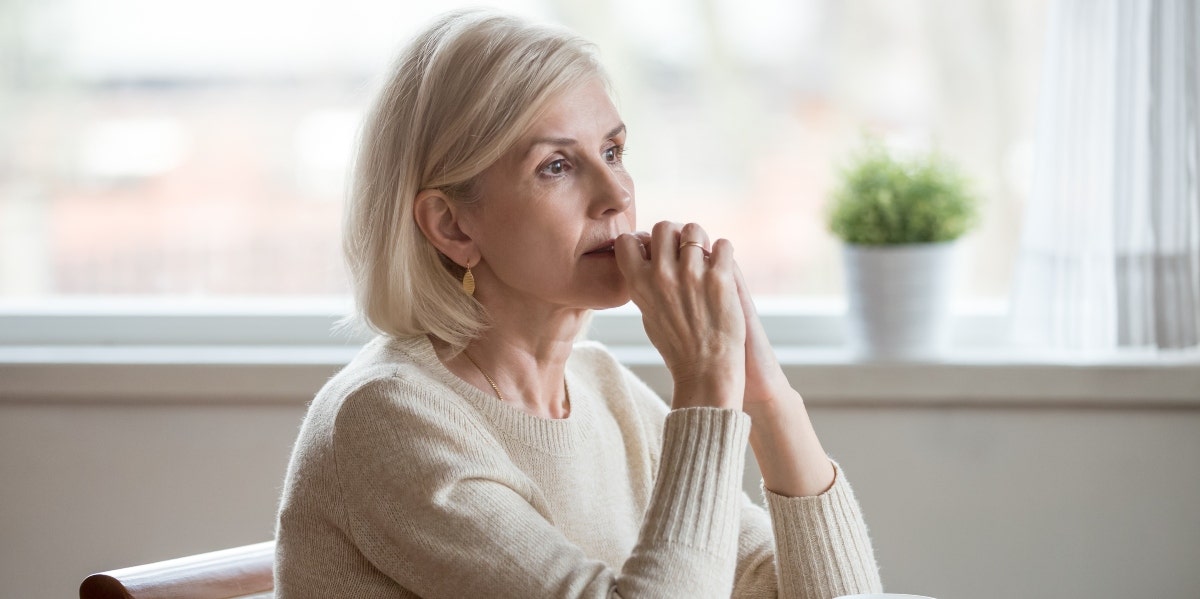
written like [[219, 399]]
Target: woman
[[474, 448]]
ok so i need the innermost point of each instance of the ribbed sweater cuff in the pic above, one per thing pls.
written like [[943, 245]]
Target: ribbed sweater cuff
[[823, 543], [696, 494]]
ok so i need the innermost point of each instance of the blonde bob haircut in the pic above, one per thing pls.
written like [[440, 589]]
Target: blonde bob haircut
[[458, 97]]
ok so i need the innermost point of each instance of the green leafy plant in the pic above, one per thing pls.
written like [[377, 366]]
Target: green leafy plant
[[883, 200]]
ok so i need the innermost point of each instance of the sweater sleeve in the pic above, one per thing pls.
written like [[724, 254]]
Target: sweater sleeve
[[820, 547], [800, 547], [437, 508]]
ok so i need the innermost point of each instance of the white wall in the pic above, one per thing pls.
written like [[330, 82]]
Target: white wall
[[1023, 503], [963, 501], [92, 487]]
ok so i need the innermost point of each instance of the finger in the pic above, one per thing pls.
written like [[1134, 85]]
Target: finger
[[691, 254], [664, 244], [743, 291], [631, 258], [644, 240], [722, 255], [754, 326], [693, 232]]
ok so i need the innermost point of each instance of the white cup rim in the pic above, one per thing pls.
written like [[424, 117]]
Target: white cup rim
[[883, 596]]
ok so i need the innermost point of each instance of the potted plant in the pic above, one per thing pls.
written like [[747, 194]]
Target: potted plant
[[900, 220]]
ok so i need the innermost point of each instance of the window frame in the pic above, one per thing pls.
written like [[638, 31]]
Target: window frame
[[310, 322], [281, 351]]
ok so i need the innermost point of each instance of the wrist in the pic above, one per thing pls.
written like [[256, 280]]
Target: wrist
[[770, 403], [716, 391], [790, 456]]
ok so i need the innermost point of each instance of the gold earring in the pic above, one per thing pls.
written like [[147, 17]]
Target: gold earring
[[468, 281]]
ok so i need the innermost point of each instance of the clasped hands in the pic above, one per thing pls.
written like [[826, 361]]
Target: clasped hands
[[699, 315]]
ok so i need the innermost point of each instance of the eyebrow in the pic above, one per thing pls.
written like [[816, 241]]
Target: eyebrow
[[570, 141]]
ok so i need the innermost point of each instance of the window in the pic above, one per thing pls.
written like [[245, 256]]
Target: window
[[199, 148]]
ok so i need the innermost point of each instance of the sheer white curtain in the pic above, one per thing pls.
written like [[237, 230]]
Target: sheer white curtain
[[1110, 251]]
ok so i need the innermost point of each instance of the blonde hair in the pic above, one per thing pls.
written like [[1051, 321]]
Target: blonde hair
[[459, 96]]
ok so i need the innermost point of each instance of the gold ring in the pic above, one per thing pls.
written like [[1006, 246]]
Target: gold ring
[[695, 243]]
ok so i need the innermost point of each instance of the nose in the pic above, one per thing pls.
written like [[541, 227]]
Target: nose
[[612, 191]]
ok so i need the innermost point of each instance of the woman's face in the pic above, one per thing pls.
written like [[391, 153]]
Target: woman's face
[[550, 208]]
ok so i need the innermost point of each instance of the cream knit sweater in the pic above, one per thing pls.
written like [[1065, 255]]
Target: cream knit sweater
[[406, 481]]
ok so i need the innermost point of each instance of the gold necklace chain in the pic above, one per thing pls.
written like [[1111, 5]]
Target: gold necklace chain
[[485, 375], [496, 388]]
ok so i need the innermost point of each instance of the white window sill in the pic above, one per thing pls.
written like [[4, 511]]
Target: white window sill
[[259, 354], [292, 374]]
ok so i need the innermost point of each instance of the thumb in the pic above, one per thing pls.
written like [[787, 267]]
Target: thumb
[[754, 326], [630, 259]]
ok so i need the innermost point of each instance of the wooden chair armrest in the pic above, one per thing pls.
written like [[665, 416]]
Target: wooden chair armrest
[[235, 572]]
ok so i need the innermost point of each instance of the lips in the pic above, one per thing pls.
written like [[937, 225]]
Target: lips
[[605, 246]]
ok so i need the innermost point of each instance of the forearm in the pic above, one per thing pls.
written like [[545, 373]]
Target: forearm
[[821, 546], [789, 454]]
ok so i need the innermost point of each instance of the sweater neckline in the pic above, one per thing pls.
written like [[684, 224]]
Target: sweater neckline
[[553, 436]]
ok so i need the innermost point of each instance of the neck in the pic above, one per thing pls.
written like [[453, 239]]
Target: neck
[[525, 352]]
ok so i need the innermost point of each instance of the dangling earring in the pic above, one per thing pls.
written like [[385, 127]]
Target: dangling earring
[[468, 281]]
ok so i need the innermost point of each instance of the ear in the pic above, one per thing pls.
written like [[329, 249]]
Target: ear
[[438, 217]]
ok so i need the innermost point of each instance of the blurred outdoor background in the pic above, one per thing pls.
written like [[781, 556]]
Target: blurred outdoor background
[[200, 148]]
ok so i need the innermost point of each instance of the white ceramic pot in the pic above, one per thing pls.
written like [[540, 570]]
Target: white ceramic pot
[[898, 299]]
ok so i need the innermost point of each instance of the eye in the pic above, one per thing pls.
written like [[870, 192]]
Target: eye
[[556, 167], [613, 155]]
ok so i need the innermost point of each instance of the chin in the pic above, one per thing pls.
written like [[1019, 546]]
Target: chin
[[609, 297], [612, 304]]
